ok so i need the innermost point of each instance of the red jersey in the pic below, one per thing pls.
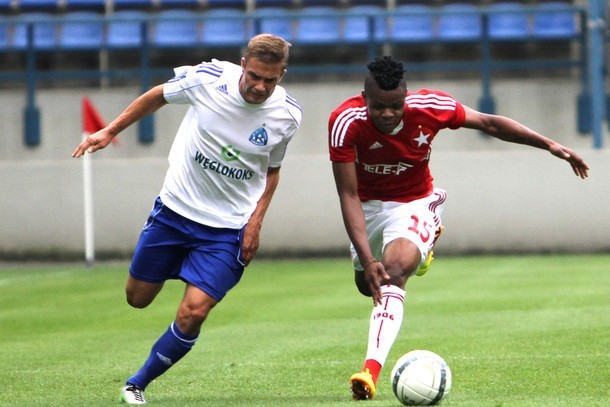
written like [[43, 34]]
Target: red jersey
[[392, 167]]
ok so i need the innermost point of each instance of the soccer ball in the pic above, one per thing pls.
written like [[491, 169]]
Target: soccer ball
[[421, 378]]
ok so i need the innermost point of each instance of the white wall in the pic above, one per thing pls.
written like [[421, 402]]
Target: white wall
[[501, 197]]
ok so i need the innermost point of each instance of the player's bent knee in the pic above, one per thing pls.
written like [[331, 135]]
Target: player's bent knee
[[190, 319], [137, 301], [140, 294], [400, 269], [192, 316]]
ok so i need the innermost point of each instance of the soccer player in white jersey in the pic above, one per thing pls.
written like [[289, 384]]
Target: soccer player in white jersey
[[224, 167], [379, 145]]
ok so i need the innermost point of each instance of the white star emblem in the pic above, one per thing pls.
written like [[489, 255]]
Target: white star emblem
[[422, 139]]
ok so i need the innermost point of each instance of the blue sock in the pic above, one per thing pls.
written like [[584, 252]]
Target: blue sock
[[168, 350]]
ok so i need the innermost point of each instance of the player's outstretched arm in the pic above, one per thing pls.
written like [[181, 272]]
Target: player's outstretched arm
[[145, 104], [506, 129]]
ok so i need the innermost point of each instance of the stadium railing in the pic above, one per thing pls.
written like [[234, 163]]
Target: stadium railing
[[377, 40]]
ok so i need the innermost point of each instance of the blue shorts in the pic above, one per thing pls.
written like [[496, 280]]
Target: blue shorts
[[174, 247]]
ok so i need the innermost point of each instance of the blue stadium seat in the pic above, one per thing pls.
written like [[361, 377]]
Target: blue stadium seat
[[44, 31], [508, 21], [81, 30], [38, 5], [5, 5], [460, 23], [324, 3], [184, 4], [124, 30], [276, 20], [357, 24], [225, 26], [258, 4], [318, 25], [555, 20], [73, 5], [240, 4], [273, 3], [176, 28], [412, 23], [133, 4]]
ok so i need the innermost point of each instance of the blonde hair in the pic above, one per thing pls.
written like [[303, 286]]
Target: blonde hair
[[268, 48]]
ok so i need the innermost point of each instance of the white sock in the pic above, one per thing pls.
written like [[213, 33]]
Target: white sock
[[385, 323]]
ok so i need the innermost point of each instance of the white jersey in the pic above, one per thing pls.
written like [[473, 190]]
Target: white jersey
[[219, 159]]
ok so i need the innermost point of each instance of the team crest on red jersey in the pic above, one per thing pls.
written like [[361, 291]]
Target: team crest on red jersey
[[421, 138]]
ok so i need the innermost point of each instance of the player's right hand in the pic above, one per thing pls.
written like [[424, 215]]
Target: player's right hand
[[374, 274]]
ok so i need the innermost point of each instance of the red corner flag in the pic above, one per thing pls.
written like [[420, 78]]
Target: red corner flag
[[92, 120]]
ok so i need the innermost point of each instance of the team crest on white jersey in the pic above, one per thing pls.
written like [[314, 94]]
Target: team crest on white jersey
[[259, 137]]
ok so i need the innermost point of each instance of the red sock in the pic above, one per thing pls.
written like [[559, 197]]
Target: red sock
[[373, 367]]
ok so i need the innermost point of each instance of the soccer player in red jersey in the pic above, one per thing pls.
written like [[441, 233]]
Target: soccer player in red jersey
[[380, 145]]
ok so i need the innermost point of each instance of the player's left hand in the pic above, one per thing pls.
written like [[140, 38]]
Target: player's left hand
[[250, 243], [580, 168]]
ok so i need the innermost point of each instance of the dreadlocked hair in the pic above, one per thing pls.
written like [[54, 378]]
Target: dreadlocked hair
[[387, 72]]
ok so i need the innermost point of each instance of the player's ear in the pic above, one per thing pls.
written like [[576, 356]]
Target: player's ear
[[282, 74], [243, 63]]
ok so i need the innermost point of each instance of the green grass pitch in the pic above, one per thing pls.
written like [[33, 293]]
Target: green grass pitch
[[516, 331]]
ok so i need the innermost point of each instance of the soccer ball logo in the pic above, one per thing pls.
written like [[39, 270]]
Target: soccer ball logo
[[421, 378]]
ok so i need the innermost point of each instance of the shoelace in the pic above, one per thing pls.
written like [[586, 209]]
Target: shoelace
[[137, 393]]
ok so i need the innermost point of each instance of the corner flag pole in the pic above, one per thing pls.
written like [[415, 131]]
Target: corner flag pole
[[92, 123], [88, 204]]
